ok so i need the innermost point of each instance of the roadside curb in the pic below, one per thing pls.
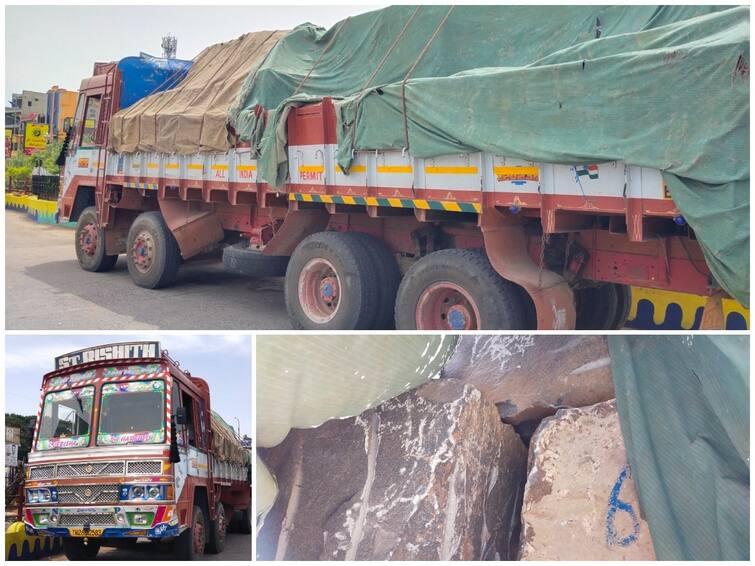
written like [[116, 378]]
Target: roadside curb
[[42, 211]]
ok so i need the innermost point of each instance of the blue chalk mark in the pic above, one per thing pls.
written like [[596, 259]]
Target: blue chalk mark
[[614, 505]]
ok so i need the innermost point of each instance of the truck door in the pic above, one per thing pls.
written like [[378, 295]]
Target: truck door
[[181, 468]]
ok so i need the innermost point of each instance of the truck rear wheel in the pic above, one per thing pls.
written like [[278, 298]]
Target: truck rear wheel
[[331, 284], [457, 290], [90, 243], [218, 529], [388, 278], [190, 543], [78, 549], [245, 521], [603, 307], [152, 252]]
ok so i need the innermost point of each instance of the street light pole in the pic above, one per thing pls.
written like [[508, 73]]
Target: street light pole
[[238, 427]]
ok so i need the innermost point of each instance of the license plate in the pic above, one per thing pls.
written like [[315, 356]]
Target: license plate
[[83, 533]]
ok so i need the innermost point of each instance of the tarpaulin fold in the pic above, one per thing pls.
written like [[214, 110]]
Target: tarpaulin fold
[[683, 403]]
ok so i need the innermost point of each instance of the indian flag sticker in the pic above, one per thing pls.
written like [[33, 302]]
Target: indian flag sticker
[[590, 171]]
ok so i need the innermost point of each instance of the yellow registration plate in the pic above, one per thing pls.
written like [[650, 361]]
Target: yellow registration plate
[[83, 533]]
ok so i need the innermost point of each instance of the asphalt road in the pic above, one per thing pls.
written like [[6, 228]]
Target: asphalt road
[[237, 547], [47, 290]]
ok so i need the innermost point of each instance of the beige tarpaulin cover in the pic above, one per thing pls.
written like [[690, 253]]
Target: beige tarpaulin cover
[[226, 445], [192, 117]]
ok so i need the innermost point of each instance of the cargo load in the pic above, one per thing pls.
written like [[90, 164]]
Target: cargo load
[[227, 445]]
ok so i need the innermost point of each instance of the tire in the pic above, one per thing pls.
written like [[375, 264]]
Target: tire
[[331, 264], [218, 530], [474, 294], [152, 252], [186, 548], [245, 521], [241, 259], [90, 243], [75, 549], [603, 307], [388, 279]]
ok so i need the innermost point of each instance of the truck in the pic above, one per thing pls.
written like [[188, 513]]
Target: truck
[[455, 242], [126, 447]]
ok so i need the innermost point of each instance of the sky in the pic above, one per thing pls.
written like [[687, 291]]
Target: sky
[[77, 36], [224, 361]]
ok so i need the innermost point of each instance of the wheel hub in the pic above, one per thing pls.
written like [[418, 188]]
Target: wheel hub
[[143, 251], [88, 239], [319, 290], [446, 306]]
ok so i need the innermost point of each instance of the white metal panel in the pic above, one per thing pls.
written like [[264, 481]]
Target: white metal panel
[[511, 175], [394, 169], [458, 172]]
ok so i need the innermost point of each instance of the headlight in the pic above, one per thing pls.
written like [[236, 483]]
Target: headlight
[[154, 492], [137, 492], [143, 492], [39, 495]]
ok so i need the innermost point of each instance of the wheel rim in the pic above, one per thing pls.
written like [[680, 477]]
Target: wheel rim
[[88, 239], [143, 251], [319, 290], [198, 538], [446, 306]]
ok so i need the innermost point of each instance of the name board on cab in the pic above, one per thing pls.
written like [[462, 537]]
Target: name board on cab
[[109, 352]]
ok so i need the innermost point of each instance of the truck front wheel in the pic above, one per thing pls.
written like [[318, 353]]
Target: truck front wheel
[[190, 543], [80, 549], [152, 252], [90, 243], [331, 284], [457, 289]]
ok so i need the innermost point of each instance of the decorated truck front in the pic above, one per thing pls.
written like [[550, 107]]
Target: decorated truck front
[[114, 458]]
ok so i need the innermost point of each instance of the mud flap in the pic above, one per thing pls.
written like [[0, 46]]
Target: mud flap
[[195, 225], [506, 247]]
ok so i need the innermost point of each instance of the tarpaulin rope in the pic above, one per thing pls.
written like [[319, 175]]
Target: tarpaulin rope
[[411, 70], [368, 82]]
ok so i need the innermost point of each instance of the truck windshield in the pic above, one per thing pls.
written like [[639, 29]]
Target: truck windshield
[[132, 413], [66, 419]]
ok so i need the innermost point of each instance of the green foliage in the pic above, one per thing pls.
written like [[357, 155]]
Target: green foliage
[[26, 425], [18, 168]]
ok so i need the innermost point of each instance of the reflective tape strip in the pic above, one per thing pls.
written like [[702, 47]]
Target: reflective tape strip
[[311, 169], [451, 170], [219, 167], [195, 166], [445, 205], [352, 169], [246, 167], [395, 169], [145, 186], [172, 165]]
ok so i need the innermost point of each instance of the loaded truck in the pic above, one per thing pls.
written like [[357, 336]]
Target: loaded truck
[[126, 447], [456, 241]]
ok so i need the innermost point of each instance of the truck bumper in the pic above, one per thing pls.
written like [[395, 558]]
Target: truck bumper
[[121, 521]]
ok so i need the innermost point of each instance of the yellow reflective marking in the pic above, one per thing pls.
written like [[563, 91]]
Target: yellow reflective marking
[[421, 203], [311, 168], [395, 169], [152, 165], [171, 165], [451, 170], [306, 197], [521, 172], [453, 206], [371, 201], [195, 166], [326, 198], [246, 167], [349, 200], [395, 202], [352, 169], [219, 167]]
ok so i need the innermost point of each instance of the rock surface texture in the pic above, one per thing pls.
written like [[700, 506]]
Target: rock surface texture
[[530, 377], [430, 475], [580, 502]]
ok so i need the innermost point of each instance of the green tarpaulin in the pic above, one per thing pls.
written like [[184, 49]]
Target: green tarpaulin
[[661, 87], [684, 407]]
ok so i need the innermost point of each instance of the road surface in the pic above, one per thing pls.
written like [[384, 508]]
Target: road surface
[[47, 290], [237, 547]]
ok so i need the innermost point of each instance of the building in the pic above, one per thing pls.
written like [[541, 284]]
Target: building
[[32, 106], [61, 107]]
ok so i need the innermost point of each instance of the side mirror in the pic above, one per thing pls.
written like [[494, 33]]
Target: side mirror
[[180, 415]]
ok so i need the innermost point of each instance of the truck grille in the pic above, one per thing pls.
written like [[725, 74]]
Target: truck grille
[[90, 469], [85, 494], [153, 467], [42, 472], [94, 519]]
